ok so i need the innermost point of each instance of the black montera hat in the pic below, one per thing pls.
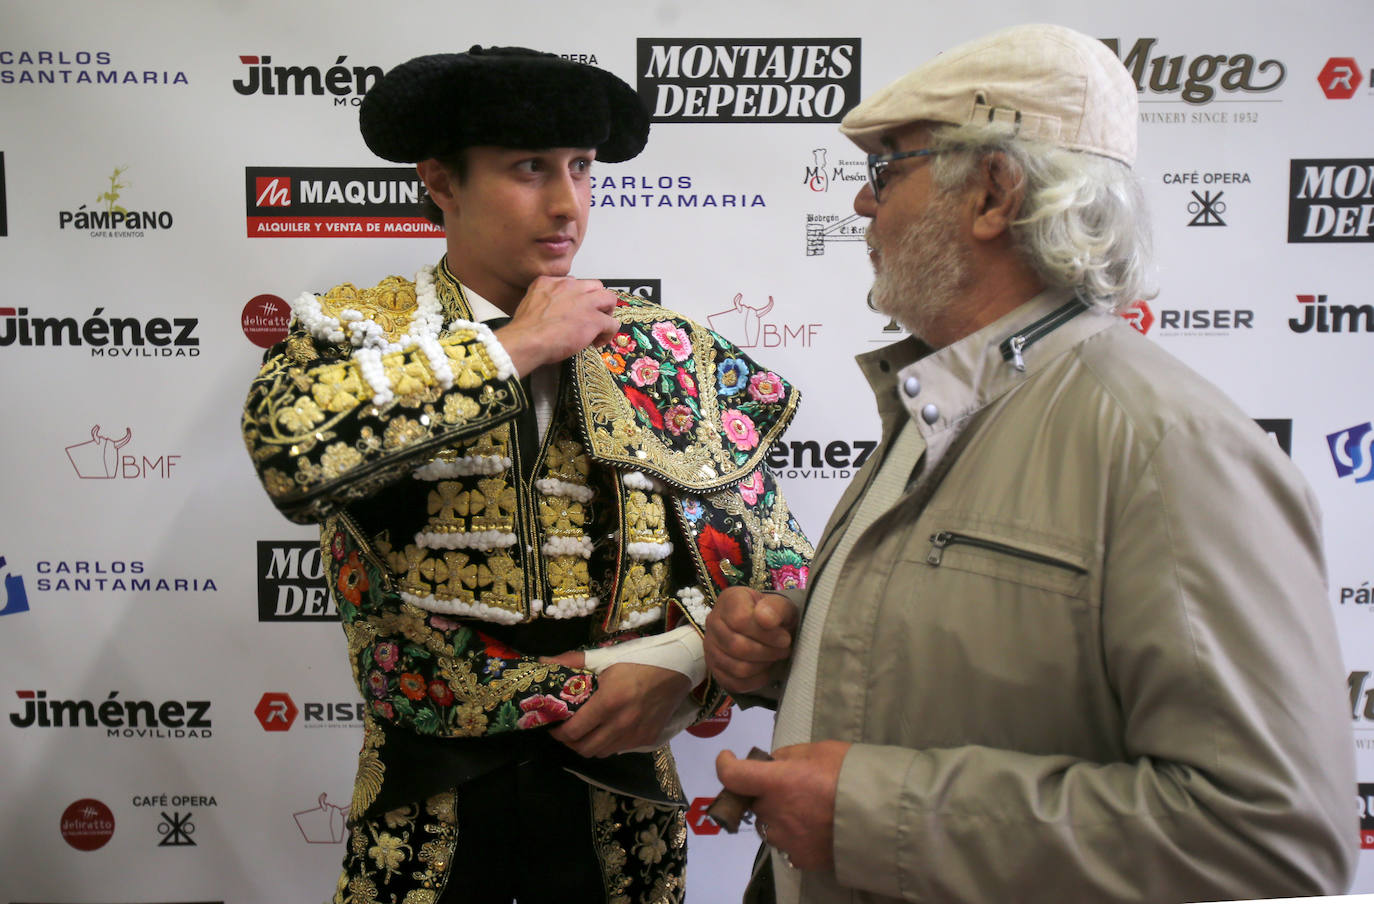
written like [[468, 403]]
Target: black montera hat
[[433, 106]]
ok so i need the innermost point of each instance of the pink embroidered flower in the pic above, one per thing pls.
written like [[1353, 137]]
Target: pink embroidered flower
[[673, 338], [751, 487], [439, 623], [336, 546], [644, 371], [624, 343], [576, 689], [383, 709], [688, 384], [386, 655], [542, 709], [789, 577], [766, 387], [739, 429], [678, 419]]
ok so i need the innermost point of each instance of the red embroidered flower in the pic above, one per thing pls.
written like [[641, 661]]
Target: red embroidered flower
[[642, 403], [576, 689], [715, 548], [493, 647], [412, 685], [352, 579], [336, 546], [383, 709], [542, 709], [440, 693], [688, 384], [614, 363], [624, 343]]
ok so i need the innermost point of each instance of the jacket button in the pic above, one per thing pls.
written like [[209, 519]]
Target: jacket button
[[930, 414], [911, 386]]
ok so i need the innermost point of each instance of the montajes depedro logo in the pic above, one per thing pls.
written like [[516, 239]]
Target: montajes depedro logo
[[748, 79]]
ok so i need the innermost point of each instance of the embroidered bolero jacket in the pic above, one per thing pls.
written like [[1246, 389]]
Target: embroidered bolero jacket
[[393, 420]]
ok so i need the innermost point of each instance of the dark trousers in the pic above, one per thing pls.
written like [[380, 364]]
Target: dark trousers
[[525, 834]]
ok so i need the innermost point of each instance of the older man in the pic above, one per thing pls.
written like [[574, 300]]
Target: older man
[[524, 532], [1068, 637]]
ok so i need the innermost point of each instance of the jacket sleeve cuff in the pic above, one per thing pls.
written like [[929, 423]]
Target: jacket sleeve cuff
[[874, 849]]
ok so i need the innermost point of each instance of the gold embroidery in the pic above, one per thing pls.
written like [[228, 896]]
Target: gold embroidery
[[390, 304]]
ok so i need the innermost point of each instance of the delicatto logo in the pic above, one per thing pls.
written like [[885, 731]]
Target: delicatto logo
[[79, 67], [335, 202], [748, 79]]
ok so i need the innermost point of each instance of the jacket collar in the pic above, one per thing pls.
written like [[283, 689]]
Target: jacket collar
[[955, 382]]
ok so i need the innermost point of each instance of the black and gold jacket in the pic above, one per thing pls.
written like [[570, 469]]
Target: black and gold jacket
[[462, 547]]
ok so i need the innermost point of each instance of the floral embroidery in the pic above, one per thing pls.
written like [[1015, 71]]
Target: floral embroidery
[[739, 429], [678, 419], [615, 363], [673, 338], [644, 405], [576, 689], [751, 488], [732, 375], [644, 371], [717, 550], [413, 685], [386, 655], [541, 710], [766, 386]]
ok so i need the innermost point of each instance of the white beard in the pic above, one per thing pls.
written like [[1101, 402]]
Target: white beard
[[918, 280]]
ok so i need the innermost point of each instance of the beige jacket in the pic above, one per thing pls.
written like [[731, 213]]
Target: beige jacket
[[1117, 678]]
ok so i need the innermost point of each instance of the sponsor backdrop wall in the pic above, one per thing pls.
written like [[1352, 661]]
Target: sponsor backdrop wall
[[179, 721]]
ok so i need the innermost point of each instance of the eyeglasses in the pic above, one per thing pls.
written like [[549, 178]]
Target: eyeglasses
[[878, 163]]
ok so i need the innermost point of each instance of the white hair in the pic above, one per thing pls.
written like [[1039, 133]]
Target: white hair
[[1082, 224]]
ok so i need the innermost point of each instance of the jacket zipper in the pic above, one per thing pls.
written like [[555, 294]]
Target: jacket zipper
[[942, 539], [1012, 346]]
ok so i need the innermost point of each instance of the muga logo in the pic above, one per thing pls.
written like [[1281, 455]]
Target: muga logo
[[1196, 80], [334, 202], [1331, 200], [748, 79], [345, 84]]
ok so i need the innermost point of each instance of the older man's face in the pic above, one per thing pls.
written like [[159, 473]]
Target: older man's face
[[920, 258]]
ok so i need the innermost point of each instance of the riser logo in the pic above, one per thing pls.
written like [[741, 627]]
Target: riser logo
[[752, 80]]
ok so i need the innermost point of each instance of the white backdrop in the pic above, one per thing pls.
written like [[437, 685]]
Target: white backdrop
[[154, 598]]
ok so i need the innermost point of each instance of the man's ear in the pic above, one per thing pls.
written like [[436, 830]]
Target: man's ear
[[439, 183], [1000, 189]]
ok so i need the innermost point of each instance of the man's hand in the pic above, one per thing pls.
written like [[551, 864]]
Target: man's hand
[[747, 634], [558, 317], [631, 705], [794, 797]]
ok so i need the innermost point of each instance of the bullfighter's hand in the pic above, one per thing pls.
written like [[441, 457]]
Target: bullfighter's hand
[[794, 797], [748, 635], [558, 317], [629, 708]]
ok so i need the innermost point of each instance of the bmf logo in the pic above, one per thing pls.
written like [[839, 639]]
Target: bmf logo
[[1351, 452]]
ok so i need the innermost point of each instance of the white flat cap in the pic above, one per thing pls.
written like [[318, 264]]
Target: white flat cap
[[1051, 83]]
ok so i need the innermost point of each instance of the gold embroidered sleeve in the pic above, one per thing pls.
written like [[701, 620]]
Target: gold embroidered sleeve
[[319, 442]]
